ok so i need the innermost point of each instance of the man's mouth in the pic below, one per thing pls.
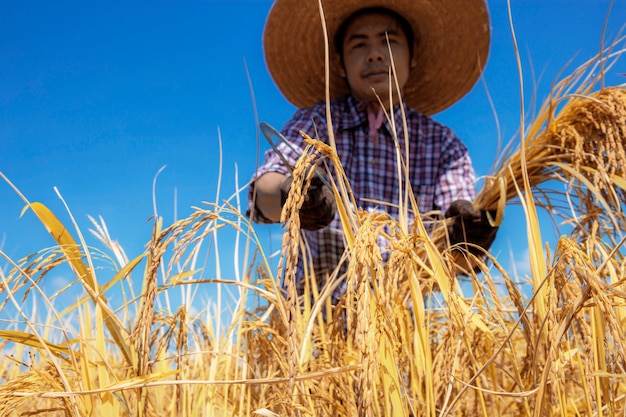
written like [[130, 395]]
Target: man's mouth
[[376, 73]]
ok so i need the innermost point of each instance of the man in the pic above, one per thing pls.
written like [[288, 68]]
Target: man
[[438, 49]]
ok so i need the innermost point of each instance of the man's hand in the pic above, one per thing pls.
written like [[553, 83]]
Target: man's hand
[[470, 225], [318, 208]]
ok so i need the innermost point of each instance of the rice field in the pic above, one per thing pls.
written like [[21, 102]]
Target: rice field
[[419, 335]]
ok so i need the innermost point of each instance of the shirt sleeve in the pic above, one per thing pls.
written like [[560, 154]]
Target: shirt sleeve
[[457, 179]]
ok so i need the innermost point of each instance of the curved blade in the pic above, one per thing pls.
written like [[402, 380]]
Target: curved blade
[[270, 132]]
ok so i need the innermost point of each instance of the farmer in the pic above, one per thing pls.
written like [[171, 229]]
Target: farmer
[[439, 49]]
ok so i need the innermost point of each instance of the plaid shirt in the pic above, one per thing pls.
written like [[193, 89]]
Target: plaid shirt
[[440, 168]]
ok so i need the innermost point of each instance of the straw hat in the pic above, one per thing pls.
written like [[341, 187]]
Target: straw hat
[[453, 44]]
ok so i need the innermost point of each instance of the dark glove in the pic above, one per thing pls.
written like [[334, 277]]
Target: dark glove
[[318, 208], [470, 225]]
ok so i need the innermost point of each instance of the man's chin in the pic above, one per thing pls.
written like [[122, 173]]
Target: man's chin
[[381, 95]]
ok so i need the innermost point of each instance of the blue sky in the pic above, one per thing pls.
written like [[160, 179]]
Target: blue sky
[[96, 97]]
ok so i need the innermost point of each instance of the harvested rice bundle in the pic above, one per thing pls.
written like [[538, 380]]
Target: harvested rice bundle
[[584, 146], [586, 141]]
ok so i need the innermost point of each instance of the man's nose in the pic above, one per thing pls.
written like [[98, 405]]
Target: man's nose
[[376, 54]]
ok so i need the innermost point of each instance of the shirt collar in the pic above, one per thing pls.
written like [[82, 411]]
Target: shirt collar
[[355, 114]]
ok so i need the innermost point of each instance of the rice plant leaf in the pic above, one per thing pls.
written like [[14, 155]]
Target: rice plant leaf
[[619, 181], [86, 353], [103, 374], [31, 340], [123, 273], [185, 274], [65, 240], [73, 254], [390, 376], [537, 258]]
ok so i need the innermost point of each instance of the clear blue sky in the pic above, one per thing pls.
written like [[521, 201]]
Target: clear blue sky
[[96, 97]]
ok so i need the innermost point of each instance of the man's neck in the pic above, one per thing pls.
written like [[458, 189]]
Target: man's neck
[[376, 106]]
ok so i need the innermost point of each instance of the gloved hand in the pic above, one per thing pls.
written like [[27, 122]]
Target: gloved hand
[[470, 225], [318, 208]]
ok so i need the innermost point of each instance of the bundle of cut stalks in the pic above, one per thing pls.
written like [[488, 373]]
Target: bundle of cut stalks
[[578, 138], [586, 141], [584, 147]]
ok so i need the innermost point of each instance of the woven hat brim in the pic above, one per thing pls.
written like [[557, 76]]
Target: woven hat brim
[[453, 47]]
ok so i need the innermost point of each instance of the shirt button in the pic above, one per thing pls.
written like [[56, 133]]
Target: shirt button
[[373, 161]]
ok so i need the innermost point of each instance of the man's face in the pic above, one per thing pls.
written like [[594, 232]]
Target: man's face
[[366, 58]]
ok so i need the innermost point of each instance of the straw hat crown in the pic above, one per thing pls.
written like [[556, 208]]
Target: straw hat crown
[[453, 45]]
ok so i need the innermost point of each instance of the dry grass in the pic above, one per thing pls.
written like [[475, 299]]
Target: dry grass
[[407, 340]]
